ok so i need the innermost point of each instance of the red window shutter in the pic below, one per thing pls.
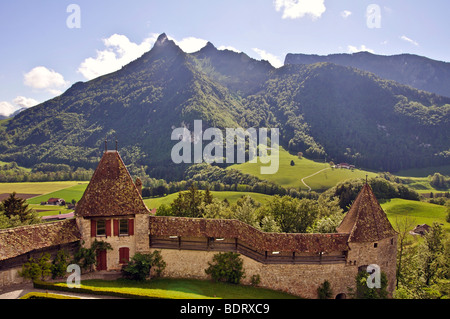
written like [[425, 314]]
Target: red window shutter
[[93, 228], [108, 227], [131, 227], [124, 255], [116, 227]]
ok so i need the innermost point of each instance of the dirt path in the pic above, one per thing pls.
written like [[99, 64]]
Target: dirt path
[[303, 179]]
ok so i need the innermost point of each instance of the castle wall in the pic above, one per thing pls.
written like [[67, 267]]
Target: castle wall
[[384, 255], [298, 279], [9, 268]]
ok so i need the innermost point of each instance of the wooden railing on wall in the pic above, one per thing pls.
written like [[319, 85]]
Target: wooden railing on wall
[[235, 245]]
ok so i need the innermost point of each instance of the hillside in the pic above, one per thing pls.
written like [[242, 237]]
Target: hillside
[[304, 173], [324, 110], [419, 72]]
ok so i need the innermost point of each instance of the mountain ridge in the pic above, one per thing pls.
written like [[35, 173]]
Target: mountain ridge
[[324, 110], [417, 71]]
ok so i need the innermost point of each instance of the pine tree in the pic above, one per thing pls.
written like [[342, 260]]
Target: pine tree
[[14, 206]]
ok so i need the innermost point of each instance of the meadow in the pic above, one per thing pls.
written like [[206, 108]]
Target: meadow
[[290, 176], [418, 212]]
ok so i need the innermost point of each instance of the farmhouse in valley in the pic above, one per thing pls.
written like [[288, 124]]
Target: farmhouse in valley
[[112, 210]]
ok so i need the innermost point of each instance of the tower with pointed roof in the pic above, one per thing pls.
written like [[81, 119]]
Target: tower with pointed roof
[[112, 210], [372, 239]]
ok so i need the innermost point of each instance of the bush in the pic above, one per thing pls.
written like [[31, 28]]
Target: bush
[[324, 291], [140, 265], [255, 280], [36, 269], [226, 267], [60, 263]]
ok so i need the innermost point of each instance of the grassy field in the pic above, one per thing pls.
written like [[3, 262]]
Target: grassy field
[[71, 192], [232, 197], [183, 289], [291, 176], [421, 212], [36, 188]]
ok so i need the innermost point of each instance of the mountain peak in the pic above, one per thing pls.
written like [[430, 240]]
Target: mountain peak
[[162, 39]]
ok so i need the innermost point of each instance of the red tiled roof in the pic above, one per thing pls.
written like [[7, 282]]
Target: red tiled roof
[[20, 240], [366, 221], [254, 238], [111, 191]]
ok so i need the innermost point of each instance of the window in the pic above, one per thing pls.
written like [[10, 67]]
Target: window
[[375, 245], [101, 228], [123, 227]]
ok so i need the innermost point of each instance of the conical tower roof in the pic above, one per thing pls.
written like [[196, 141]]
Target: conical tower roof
[[366, 221], [111, 191]]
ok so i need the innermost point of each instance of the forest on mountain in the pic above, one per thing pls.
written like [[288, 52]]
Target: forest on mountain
[[327, 111]]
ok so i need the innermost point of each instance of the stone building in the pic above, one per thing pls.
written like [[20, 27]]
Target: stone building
[[112, 210]]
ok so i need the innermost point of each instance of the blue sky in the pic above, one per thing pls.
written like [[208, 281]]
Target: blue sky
[[48, 45]]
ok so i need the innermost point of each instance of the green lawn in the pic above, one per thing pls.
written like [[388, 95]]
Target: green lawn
[[70, 192], [421, 212], [290, 176], [183, 289], [232, 197]]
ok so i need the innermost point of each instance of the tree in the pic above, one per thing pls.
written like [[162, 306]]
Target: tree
[[364, 292], [402, 227], [226, 267], [324, 291], [14, 206], [59, 264], [86, 258], [431, 254], [245, 211], [293, 215]]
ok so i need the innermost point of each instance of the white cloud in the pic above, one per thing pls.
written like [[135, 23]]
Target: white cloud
[[274, 60], [345, 14], [293, 9], [119, 52], [24, 102], [45, 79], [223, 47], [7, 108], [190, 44], [353, 49], [405, 38]]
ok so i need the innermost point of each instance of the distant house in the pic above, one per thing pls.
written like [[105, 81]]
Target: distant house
[[420, 230], [345, 165], [56, 201]]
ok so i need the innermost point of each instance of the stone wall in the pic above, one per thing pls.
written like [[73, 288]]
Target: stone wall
[[299, 279], [382, 253]]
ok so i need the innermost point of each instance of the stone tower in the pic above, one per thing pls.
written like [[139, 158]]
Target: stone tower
[[112, 210], [372, 239]]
